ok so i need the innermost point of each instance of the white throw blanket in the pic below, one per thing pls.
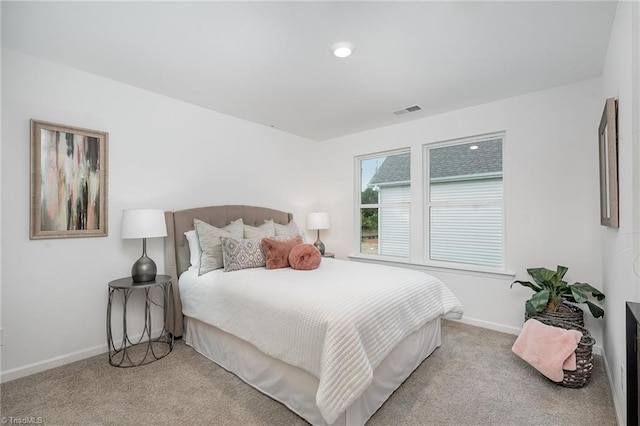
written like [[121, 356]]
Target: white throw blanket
[[337, 322]]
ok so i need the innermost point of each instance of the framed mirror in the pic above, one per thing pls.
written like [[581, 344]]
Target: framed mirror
[[608, 147]]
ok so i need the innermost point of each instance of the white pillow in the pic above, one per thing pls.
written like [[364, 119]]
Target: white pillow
[[266, 230], [194, 248], [289, 230], [209, 239]]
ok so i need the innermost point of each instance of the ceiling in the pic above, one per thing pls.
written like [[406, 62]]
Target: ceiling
[[270, 62]]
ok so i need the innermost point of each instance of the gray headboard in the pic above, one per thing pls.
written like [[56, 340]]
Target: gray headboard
[[176, 250]]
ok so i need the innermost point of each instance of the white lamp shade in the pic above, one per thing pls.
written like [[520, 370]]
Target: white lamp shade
[[318, 220], [143, 223]]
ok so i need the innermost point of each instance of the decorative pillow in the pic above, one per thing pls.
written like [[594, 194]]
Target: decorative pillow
[[194, 248], [277, 252], [241, 254], [305, 257], [266, 230], [289, 230], [209, 239]]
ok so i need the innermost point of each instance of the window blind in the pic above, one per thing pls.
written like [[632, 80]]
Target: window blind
[[466, 222]]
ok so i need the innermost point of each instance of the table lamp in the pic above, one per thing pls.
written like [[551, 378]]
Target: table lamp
[[143, 223], [318, 221]]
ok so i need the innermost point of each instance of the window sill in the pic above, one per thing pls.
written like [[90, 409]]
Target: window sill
[[506, 275]]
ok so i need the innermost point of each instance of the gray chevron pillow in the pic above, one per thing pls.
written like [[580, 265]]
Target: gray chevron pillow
[[242, 253]]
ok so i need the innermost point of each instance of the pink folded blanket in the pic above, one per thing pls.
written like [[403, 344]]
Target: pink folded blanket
[[548, 349]]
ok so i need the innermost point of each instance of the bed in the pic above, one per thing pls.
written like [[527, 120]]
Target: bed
[[332, 344]]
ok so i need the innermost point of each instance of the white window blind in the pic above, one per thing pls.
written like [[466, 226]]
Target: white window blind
[[465, 214], [394, 221], [395, 194], [467, 233]]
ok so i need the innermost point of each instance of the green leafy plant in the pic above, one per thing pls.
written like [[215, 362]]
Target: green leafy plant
[[550, 291]]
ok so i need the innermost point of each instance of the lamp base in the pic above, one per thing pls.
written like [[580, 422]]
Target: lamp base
[[320, 246], [144, 270]]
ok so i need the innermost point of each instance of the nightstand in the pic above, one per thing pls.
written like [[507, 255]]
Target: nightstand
[[327, 254], [144, 349]]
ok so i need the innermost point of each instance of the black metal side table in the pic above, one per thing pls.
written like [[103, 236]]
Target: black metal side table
[[146, 349]]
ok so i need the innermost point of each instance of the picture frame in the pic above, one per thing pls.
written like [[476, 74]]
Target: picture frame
[[608, 149], [69, 172]]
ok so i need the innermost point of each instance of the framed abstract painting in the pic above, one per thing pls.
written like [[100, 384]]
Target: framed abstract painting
[[69, 171]]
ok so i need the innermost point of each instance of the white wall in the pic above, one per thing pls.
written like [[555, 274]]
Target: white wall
[[162, 154], [621, 79], [551, 192]]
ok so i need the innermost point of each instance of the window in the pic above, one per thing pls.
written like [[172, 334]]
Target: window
[[384, 204], [465, 202]]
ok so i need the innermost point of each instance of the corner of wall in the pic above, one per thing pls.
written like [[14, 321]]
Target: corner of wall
[[620, 248], [1, 122]]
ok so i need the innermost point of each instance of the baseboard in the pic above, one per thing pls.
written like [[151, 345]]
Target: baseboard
[[37, 367], [597, 349], [27, 370], [616, 401], [490, 325]]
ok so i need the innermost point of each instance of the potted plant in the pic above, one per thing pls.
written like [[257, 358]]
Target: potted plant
[[551, 291]]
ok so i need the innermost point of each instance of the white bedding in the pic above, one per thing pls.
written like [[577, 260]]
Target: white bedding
[[337, 322]]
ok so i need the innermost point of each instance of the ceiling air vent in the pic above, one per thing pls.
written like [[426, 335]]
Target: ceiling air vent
[[412, 108]]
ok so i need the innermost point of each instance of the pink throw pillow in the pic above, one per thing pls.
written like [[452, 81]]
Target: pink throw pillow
[[305, 257], [277, 252]]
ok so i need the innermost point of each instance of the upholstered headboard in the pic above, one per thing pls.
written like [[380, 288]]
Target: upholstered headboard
[[176, 249]]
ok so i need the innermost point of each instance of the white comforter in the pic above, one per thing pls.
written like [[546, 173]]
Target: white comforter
[[337, 322]]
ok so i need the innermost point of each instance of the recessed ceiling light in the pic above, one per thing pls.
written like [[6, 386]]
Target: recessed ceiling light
[[342, 49]]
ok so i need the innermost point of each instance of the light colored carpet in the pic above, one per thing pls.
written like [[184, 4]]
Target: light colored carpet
[[472, 379]]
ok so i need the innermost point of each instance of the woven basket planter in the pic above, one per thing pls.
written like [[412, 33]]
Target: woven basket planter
[[568, 313], [584, 354]]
